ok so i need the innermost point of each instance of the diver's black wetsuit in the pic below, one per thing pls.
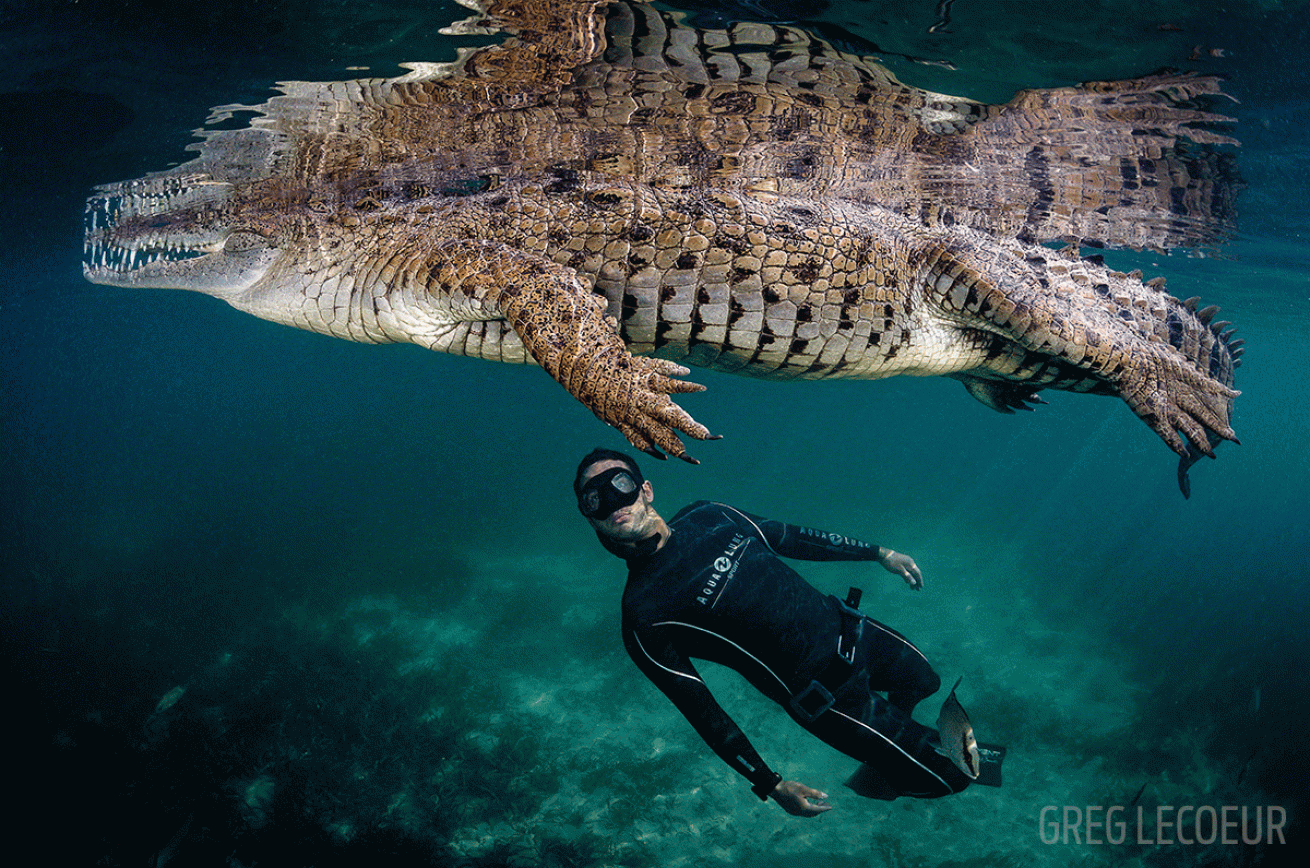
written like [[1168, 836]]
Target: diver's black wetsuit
[[717, 591]]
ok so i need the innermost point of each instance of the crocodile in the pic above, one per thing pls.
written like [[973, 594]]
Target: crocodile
[[614, 195]]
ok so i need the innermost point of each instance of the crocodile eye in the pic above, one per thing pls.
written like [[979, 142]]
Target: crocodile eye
[[242, 242]]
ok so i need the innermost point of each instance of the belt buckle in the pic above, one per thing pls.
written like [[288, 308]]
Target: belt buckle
[[811, 702], [852, 630]]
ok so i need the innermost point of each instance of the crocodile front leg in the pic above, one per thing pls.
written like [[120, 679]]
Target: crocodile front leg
[[565, 328]]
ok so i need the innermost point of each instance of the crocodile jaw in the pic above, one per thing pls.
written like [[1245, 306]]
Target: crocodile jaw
[[171, 231]]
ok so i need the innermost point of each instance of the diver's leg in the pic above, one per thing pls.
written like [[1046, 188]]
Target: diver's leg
[[896, 667], [896, 748]]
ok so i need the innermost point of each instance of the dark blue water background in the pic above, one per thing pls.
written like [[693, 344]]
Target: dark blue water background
[[358, 561]]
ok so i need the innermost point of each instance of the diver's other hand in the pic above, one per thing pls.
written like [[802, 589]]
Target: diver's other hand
[[905, 567], [794, 797]]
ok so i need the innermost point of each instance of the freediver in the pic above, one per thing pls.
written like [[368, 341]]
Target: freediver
[[710, 584]]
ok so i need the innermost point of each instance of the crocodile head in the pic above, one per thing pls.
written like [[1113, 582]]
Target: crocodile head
[[175, 230]]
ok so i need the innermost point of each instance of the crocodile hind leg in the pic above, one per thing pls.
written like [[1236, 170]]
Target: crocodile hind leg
[[565, 328], [1100, 330]]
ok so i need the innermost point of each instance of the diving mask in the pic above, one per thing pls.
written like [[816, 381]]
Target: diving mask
[[607, 491]]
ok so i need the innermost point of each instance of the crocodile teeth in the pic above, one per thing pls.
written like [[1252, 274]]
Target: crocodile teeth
[[101, 255]]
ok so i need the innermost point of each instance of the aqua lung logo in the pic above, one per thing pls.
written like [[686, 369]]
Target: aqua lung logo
[[724, 568], [835, 539]]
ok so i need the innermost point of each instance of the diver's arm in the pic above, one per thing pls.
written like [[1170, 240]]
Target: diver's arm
[[727, 740], [808, 544], [675, 676]]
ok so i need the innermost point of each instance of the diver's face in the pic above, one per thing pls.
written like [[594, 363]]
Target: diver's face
[[626, 523]]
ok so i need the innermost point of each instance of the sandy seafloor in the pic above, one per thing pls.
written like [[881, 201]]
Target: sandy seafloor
[[275, 599]]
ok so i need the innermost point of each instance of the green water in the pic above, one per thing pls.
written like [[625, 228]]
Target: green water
[[397, 641]]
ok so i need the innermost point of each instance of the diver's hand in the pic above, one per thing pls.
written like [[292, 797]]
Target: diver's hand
[[794, 797], [905, 567]]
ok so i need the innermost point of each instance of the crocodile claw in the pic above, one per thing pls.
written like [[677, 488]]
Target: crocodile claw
[[1000, 395], [632, 394]]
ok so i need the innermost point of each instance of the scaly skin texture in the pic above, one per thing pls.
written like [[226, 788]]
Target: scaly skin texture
[[612, 195]]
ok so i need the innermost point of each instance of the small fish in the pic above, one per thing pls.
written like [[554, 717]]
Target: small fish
[[943, 17], [169, 699], [958, 741], [1241, 776]]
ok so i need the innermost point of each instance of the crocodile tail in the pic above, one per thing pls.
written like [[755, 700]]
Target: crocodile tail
[[1134, 163]]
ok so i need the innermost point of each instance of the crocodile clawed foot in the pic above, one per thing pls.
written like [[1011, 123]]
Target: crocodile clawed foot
[[1184, 407], [632, 394], [1183, 416], [566, 329]]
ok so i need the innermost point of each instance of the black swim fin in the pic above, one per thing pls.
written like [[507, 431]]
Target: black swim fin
[[870, 783], [990, 757]]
